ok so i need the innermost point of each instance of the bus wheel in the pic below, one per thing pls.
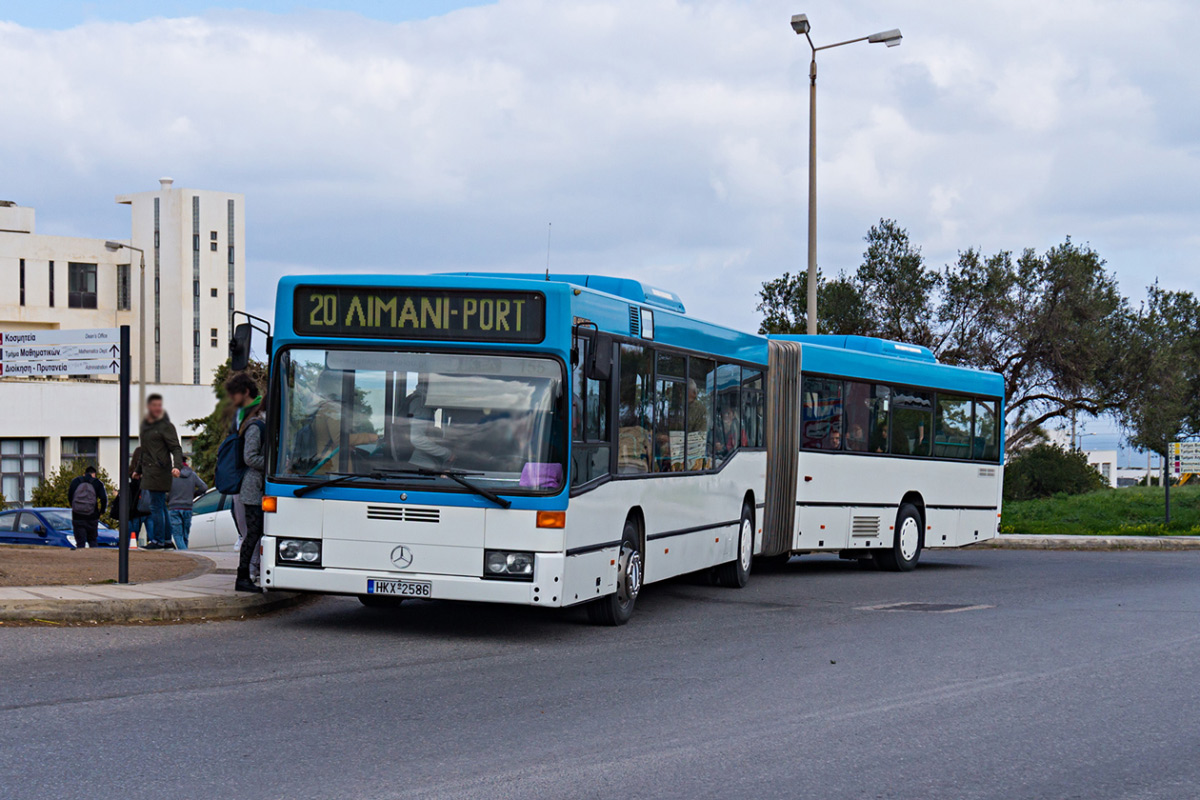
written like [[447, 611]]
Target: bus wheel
[[617, 608], [736, 573], [376, 601], [905, 551]]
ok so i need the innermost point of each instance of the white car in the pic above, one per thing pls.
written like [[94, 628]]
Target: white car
[[212, 523]]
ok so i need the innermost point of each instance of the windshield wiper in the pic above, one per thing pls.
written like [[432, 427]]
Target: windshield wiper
[[341, 477], [459, 477]]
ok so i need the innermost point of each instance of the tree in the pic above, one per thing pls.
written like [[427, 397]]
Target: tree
[[842, 308], [1053, 324], [215, 427], [1159, 385], [52, 492], [893, 274], [1048, 469]]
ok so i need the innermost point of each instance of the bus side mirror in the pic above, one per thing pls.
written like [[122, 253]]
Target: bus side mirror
[[239, 347], [599, 366]]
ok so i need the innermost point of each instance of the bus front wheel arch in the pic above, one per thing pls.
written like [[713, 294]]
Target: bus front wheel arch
[[617, 608]]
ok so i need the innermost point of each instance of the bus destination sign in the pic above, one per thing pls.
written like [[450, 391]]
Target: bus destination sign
[[409, 313]]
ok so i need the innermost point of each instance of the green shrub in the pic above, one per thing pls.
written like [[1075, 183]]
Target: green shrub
[[1045, 470], [52, 492]]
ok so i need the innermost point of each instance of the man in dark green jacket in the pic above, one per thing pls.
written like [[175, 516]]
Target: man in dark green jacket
[[161, 460]]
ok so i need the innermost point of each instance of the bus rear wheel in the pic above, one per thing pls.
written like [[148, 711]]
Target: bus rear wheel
[[617, 608], [736, 573], [905, 551]]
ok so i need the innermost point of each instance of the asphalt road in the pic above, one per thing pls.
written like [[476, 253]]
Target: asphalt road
[[1079, 678]]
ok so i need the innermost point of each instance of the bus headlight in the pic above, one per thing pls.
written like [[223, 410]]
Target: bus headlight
[[299, 552], [507, 565]]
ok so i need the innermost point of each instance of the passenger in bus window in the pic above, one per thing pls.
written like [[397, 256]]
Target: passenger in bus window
[[730, 436], [835, 439], [428, 451], [856, 439], [879, 438]]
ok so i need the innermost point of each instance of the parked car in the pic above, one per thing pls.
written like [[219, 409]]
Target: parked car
[[48, 526], [212, 523]]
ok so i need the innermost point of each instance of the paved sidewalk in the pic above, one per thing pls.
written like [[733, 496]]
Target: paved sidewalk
[[1022, 541], [206, 596]]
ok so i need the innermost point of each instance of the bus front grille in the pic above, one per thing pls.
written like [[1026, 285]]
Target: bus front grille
[[403, 514]]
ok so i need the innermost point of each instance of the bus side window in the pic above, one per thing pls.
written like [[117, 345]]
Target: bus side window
[[912, 418], [753, 406], [671, 393], [952, 436], [577, 389], [589, 421], [987, 432], [636, 410], [729, 434], [821, 414], [700, 427]]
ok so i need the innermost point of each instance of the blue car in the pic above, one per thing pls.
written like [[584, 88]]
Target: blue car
[[48, 526]]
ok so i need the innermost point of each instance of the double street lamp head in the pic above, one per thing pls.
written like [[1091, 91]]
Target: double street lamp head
[[803, 27]]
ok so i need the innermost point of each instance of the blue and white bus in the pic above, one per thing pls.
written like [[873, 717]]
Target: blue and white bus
[[508, 439], [564, 440]]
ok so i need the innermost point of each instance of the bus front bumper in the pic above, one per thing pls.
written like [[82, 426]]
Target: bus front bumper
[[544, 590]]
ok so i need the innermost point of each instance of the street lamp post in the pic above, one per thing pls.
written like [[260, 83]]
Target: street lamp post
[[114, 246], [801, 26]]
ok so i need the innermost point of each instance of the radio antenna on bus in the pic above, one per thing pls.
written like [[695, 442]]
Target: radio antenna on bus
[[549, 230]]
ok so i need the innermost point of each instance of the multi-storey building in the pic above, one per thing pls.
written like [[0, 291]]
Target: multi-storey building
[[194, 243]]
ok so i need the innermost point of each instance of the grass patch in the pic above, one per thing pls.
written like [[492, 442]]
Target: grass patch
[[1133, 511]]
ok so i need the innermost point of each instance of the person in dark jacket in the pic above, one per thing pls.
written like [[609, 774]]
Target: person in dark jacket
[[243, 393], [184, 490], [161, 460], [88, 500]]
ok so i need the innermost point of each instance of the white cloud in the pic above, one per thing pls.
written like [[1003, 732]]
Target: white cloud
[[665, 140]]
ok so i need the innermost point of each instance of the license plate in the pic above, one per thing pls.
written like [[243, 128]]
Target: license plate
[[399, 588]]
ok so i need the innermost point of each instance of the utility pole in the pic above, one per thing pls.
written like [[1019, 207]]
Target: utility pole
[[1166, 478]]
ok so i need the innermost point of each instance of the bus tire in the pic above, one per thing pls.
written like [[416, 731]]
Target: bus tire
[[617, 608], [905, 551], [376, 601], [736, 573]]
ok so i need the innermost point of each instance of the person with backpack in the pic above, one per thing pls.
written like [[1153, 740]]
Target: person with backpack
[[184, 491], [88, 500], [161, 460], [241, 467]]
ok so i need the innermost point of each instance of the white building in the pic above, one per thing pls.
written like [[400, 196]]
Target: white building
[[1104, 462], [195, 275]]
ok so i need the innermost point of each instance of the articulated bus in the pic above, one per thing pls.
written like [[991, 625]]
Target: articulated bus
[[563, 440]]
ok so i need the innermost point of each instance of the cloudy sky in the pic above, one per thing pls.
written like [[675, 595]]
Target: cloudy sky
[[665, 140]]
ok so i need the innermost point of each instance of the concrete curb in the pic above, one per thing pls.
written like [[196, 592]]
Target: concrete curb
[[149, 609], [1018, 541], [204, 594]]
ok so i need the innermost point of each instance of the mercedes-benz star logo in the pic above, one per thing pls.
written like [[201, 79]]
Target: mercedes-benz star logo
[[402, 557]]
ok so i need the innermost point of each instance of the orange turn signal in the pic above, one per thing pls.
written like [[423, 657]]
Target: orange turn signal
[[269, 504], [552, 519]]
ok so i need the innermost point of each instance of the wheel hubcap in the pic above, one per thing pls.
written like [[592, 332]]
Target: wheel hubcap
[[747, 544], [629, 582], [910, 537]]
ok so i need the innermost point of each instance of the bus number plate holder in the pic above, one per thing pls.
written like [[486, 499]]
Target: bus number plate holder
[[399, 588]]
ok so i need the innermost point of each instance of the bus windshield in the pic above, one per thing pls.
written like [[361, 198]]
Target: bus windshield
[[498, 421]]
